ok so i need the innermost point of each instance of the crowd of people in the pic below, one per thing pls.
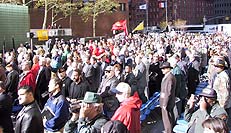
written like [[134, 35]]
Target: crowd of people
[[99, 86]]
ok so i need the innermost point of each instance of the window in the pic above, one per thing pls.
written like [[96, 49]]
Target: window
[[122, 7]]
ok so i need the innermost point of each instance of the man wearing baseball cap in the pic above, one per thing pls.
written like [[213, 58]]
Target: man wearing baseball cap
[[90, 118], [208, 107]]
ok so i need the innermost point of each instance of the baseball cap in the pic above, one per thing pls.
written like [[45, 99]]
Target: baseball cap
[[121, 88], [208, 92], [91, 97], [109, 68]]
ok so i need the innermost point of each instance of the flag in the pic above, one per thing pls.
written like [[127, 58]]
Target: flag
[[42, 35], [162, 5], [139, 27], [143, 7], [120, 25]]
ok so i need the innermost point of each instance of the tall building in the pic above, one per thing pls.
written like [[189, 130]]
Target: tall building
[[193, 11], [222, 12]]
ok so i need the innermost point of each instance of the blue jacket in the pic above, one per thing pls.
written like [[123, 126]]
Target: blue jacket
[[60, 108]]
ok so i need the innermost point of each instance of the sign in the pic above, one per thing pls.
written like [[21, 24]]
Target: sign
[[42, 35]]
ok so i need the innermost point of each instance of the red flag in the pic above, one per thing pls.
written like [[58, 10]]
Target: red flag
[[120, 25]]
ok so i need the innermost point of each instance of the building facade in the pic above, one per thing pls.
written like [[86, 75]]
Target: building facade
[[79, 27], [222, 12], [193, 11]]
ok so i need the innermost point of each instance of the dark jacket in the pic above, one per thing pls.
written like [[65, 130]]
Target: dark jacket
[[12, 83], [29, 120], [66, 86], [77, 91], [84, 126], [5, 113], [42, 82]]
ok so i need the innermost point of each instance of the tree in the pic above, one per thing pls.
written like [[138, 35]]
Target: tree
[[59, 9], [95, 8], [179, 23]]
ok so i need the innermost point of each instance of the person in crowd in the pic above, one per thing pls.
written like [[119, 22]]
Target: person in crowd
[[222, 86], [12, 81], [2, 71], [129, 78], [208, 107], [96, 76], [193, 73], [42, 81], [89, 72], [56, 110], [65, 80], [181, 91], [129, 111], [78, 87], [155, 75], [29, 119], [109, 82], [167, 97], [114, 127], [27, 77], [5, 110], [215, 125], [140, 74], [90, 118]]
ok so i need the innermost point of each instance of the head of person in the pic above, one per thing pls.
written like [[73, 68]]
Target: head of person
[[92, 102], [36, 59], [42, 61], [25, 95], [155, 58], [2, 86], [26, 65], [122, 91], [165, 67], [208, 97], [109, 71], [62, 73], [219, 65], [128, 68], [55, 85], [77, 75], [215, 125], [93, 60]]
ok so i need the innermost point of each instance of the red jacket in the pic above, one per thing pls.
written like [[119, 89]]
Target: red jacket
[[28, 79], [129, 113]]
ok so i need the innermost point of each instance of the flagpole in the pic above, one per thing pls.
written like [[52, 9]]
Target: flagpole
[[147, 13], [166, 8]]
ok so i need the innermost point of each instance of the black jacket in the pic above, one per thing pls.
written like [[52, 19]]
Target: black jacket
[[5, 113], [29, 120]]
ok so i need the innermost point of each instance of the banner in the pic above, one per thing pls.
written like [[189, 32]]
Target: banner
[[42, 35], [120, 25], [162, 5], [139, 27]]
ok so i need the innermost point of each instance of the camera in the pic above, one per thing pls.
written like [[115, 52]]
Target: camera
[[75, 107]]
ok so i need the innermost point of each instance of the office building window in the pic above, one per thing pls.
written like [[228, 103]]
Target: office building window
[[122, 7]]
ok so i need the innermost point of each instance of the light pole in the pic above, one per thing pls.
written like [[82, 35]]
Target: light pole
[[166, 8]]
